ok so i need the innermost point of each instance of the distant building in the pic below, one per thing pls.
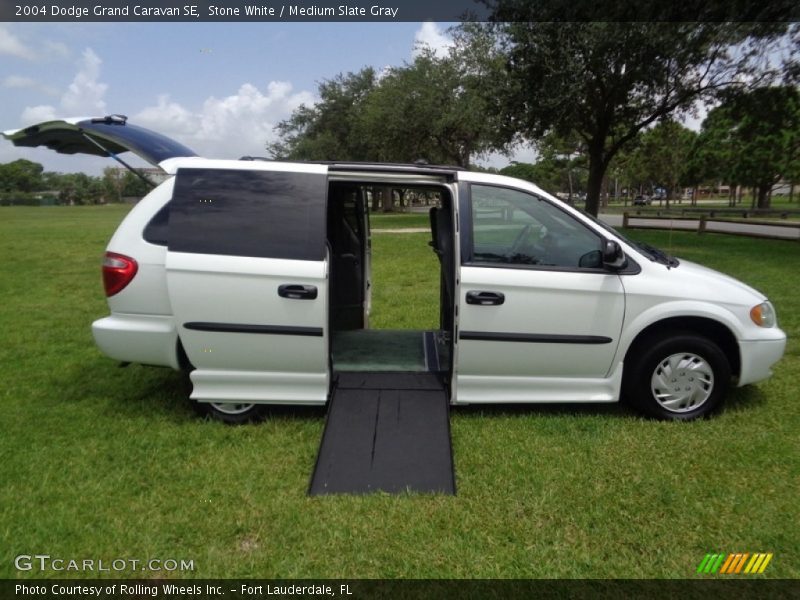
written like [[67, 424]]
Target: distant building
[[153, 174]]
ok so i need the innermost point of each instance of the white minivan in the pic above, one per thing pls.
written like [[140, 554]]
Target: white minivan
[[255, 276]]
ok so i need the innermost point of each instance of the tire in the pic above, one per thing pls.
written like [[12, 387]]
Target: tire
[[232, 413], [677, 378]]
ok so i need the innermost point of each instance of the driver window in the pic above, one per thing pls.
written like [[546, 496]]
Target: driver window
[[513, 227]]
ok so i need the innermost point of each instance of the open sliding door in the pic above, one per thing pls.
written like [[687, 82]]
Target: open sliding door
[[247, 276]]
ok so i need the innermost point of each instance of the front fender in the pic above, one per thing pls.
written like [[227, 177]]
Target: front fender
[[677, 309]]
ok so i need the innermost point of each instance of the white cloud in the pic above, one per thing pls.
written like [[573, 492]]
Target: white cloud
[[13, 46], [19, 82], [523, 153], [55, 49], [229, 127], [15, 81], [431, 36], [166, 116], [38, 114], [85, 95]]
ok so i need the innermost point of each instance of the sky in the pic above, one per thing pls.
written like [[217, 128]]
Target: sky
[[219, 88]]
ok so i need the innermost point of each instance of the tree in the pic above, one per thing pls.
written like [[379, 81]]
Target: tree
[[560, 167], [607, 81], [441, 109], [113, 183], [753, 139], [21, 176], [662, 155], [330, 129], [545, 173], [438, 108], [79, 188]]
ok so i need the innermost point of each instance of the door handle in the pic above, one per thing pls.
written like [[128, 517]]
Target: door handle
[[485, 298], [296, 291]]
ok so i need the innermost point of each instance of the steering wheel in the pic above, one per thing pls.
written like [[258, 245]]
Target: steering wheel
[[519, 241]]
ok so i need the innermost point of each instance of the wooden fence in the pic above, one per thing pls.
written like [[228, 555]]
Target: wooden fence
[[704, 224]]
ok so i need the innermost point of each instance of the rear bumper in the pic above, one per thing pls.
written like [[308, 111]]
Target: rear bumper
[[145, 339], [758, 358]]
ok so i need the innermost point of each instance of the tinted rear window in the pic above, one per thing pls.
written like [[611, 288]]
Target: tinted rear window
[[248, 213], [157, 230]]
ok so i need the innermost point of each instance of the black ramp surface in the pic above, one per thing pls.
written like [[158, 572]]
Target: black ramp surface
[[385, 431]]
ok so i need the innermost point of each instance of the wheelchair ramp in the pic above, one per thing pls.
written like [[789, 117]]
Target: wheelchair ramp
[[385, 432]]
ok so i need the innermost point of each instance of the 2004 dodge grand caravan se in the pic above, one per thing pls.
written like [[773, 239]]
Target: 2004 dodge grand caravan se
[[255, 276]]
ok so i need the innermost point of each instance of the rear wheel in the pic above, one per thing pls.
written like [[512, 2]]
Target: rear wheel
[[680, 377], [234, 413]]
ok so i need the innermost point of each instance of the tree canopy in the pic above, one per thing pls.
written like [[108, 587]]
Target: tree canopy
[[581, 92], [331, 129], [609, 81], [436, 108], [21, 175], [753, 139]]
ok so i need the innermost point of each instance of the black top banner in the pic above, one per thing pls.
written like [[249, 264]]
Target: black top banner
[[395, 10], [242, 10]]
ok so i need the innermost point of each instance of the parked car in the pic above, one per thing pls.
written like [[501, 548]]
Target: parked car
[[246, 273], [642, 200]]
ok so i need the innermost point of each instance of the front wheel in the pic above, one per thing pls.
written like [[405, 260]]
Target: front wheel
[[233, 413], [679, 378]]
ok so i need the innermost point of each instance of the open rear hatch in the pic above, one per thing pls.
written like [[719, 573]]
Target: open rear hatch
[[102, 136]]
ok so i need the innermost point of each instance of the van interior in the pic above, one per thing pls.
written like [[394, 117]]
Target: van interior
[[355, 347]]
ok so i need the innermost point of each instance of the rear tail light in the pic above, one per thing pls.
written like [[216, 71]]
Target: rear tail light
[[118, 271]]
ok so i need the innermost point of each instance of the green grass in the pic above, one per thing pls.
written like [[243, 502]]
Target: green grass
[[104, 462], [378, 220]]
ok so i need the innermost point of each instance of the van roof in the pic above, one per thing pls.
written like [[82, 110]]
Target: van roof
[[419, 166]]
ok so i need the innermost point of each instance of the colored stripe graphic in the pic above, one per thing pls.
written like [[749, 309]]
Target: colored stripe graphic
[[703, 566], [765, 563], [735, 563], [715, 568], [731, 558]]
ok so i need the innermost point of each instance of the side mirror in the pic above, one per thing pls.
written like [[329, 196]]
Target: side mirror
[[613, 256]]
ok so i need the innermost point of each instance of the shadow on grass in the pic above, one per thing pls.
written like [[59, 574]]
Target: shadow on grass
[[576, 409], [739, 400], [744, 399], [138, 390]]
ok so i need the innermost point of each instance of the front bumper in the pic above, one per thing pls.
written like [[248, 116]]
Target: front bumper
[[759, 356]]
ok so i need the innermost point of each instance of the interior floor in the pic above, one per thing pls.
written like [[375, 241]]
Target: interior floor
[[388, 350]]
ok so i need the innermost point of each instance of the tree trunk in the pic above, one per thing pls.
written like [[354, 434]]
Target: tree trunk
[[595, 180], [763, 196], [401, 195], [569, 181], [604, 192], [387, 204]]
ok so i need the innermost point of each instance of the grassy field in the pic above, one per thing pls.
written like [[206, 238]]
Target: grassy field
[[104, 462], [399, 220]]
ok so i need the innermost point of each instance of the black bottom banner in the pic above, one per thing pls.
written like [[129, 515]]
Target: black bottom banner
[[358, 589]]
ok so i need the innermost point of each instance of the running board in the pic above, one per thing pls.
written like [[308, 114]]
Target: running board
[[385, 432]]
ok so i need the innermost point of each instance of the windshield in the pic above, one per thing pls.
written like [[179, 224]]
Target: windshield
[[650, 252]]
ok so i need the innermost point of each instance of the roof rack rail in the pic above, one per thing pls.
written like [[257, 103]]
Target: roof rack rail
[[419, 164]]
